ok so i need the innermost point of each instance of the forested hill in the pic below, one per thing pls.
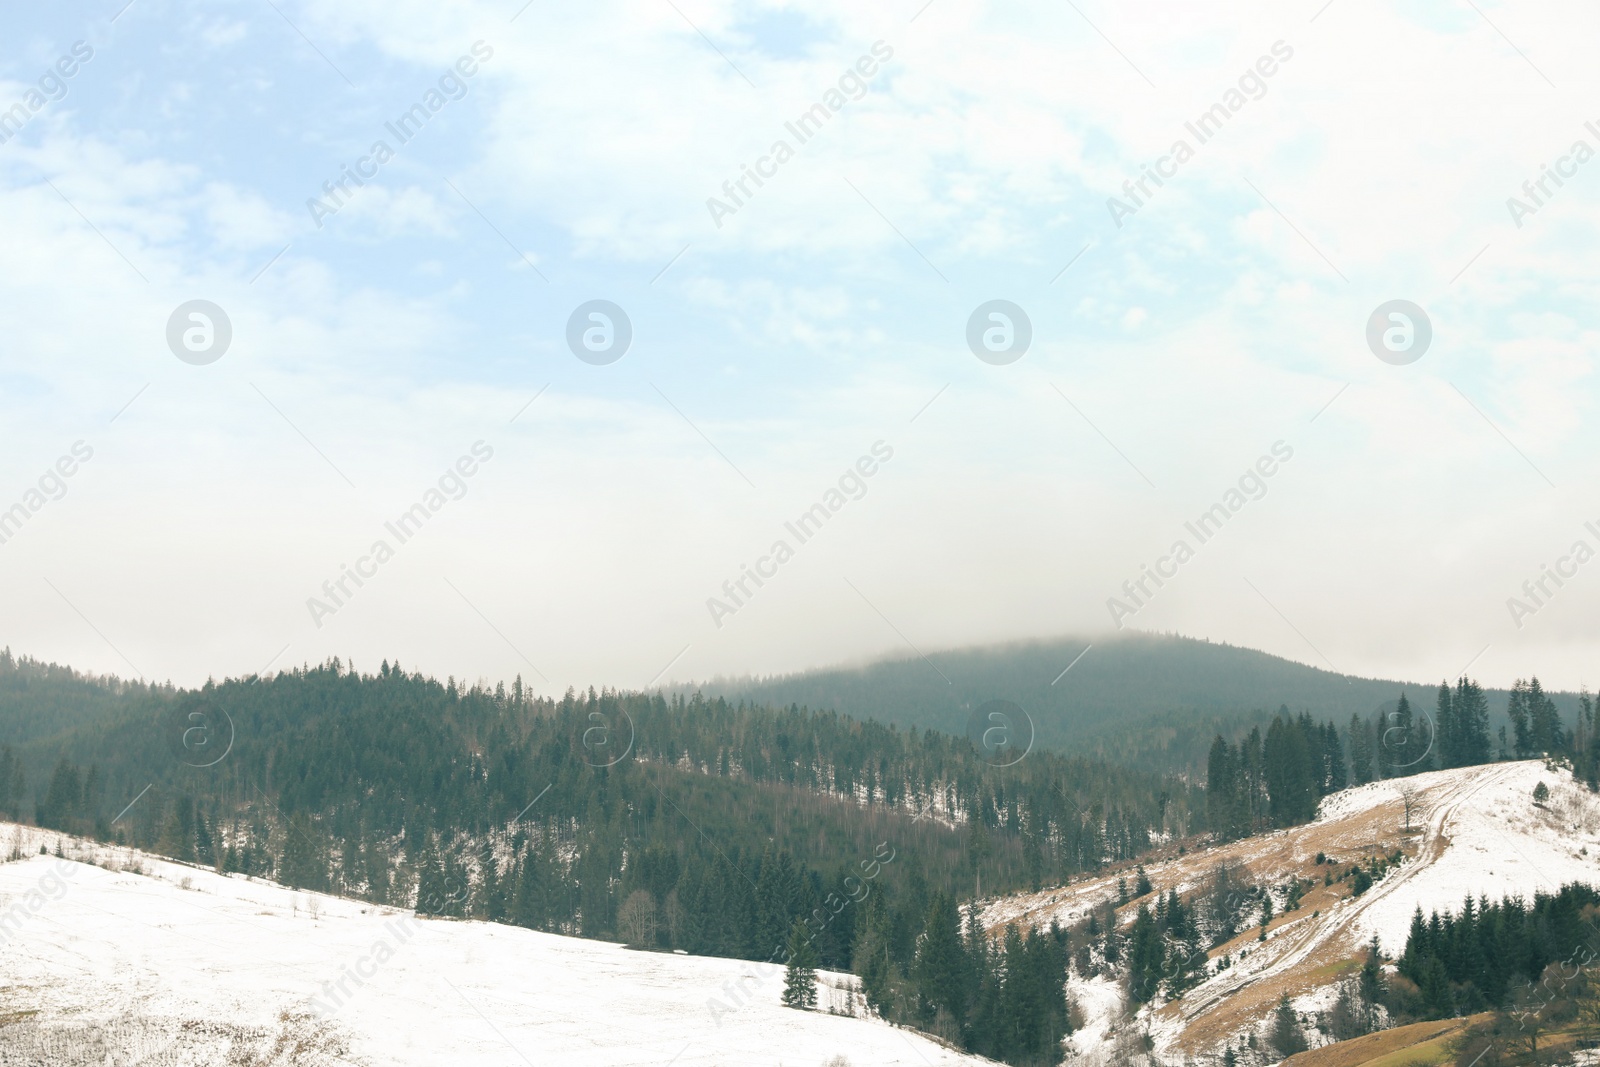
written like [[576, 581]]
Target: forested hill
[[326, 778], [1151, 701], [39, 700]]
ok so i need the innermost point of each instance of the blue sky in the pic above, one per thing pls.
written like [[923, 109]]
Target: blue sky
[[768, 354]]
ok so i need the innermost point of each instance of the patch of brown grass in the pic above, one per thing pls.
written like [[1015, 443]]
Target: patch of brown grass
[[1404, 1046]]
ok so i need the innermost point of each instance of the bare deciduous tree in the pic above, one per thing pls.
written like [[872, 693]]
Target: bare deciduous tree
[[1408, 794], [636, 919]]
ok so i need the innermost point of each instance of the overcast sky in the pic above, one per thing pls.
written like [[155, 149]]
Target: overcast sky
[[962, 153]]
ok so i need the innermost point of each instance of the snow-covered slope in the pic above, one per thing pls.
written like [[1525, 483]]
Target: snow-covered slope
[[1474, 830], [183, 966]]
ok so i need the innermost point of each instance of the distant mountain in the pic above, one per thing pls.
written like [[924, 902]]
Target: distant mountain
[[1153, 701]]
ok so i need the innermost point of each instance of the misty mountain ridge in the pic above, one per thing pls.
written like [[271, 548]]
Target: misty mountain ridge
[[1152, 700]]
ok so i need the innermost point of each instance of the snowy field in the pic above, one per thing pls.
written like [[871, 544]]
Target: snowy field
[[1491, 839], [179, 966]]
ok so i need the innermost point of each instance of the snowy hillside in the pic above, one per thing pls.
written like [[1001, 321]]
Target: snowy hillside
[[183, 966], [1474, 830]]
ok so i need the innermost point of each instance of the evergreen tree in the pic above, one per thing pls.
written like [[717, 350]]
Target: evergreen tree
[[1145, 957], [1360, 738], [456, 887], [489, 891], [1471, 723], [375, 869], [8, 767], [94, 789], [1335, 776], [1226, 810], [529, 904], [1255, 787], [872, 961], [1405, 744], [1517, 710], [203, 849], [1370, 985], [1447, 738], [1546, 735], [1290, 778], [178, 838], [1287, 1037], [800, 977], [303, 864], [63, 799], [431, 891], [942, 974]]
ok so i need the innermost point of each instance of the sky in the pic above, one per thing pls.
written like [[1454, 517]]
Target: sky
[[605, 382]]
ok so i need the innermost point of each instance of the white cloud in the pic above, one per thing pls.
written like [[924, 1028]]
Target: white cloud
[[1190, 340]]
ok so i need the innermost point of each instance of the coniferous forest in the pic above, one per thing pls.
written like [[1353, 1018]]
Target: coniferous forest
[[1478, 957], [769, 834], [1276, 779], [1530, 965], [668, 824]]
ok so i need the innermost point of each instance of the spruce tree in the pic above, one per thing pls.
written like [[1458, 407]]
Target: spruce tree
[[527, 907], [1333, 747], [942, 971], [1447, 738], [1517, 710], [203, 849], [430, 884], [1546, 734], [872, 960], [1370, 985], [8, 767], [1471, 723], [800, 977], [1287, 1038], [62, 800], [1145, 957], [1360, 751], [1291, 781]]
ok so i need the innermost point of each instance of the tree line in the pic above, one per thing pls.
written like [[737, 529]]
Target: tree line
[[1272, 781], [1003, 997], [1477, 957], [679, 823], [1276, 779]]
